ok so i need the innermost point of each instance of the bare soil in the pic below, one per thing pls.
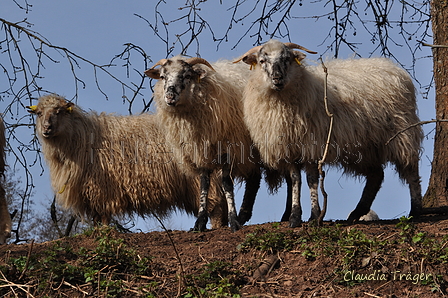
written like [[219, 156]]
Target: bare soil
[[376, 259]]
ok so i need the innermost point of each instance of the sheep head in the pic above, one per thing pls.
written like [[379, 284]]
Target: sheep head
[[177, 76], [51, 111], [275, 59]]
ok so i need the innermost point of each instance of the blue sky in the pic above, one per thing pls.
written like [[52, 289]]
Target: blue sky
[[97, 30]]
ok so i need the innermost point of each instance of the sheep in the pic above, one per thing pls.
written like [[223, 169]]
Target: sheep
[[371, 99], [5, 218], [109, 165], [199, 106]]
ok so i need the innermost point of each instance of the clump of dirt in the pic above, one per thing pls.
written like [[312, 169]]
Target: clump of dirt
[[397, 258]]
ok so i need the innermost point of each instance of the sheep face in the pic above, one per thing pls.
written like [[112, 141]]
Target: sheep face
[[50, 116], [276, 61], [177, 77]]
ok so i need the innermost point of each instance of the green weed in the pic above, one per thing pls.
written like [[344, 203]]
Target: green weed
[[268, 240], [102, 267], [216, 279]]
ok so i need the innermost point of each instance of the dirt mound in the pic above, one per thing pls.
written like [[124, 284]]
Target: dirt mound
[[395, 258]]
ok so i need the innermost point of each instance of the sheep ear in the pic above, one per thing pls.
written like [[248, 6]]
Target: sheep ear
[[298, 57], [31, 109], [153, 73], [200, 72], [250, 59], [69, 106]]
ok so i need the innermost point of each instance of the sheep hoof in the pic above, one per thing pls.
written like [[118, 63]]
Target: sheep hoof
[[314, 215], [235, 225], [294, 223], [244, 217], [201, 224], [415, 213], [353, 217], [295, 219], [285, 216]]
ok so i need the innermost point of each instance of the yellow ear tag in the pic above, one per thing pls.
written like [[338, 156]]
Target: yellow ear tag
[[253, 66], [298, 61], [199, 80], [70, 109], [63, 187], [32, 108]]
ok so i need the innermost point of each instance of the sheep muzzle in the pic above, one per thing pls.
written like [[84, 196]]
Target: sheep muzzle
[[47, 132], [277, 84], [171, 98], [277, 78], [47, 125]]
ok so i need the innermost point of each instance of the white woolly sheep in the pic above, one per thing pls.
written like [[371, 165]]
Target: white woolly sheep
[[199, 106], [108, 165], [5, 218], [370, 99]]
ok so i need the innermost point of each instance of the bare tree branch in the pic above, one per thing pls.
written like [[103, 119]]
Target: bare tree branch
[[414, 125]]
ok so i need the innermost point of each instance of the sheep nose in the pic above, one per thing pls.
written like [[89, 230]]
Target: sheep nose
[[47, 125], [277, 75], [276, 80], [171, 96]]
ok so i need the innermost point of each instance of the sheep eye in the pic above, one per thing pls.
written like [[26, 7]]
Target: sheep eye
[[262, 61], [162, 77], [39, 114]]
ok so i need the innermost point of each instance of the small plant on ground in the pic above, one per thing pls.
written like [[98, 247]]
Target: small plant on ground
[[105, 267], [423, 245], [268, 240], [214, 280]]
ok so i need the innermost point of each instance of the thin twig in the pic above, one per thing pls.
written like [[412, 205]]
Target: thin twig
[[182, 276], [433, 45], [12, 285], [371, 295], [414, 125], [76, 288], [322, 160], [65, 50], [27, 260]]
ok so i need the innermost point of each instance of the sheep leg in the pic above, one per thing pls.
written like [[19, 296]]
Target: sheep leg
[[312, 178], [411, 176], [287, 213], [374, 179], [201, 222], [296, 209], [101, 219], [227, 185], [416, 196], [250, 192]]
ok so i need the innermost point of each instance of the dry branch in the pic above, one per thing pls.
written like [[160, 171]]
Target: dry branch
[[265, 268], [182, 270], [433, 45], [27, 260], [69, 54], [414, 125], [322, 160], [12, 285]]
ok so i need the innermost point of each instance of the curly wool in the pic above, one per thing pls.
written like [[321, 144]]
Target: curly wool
[[209, 123], [371, 99], [108, 165]]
